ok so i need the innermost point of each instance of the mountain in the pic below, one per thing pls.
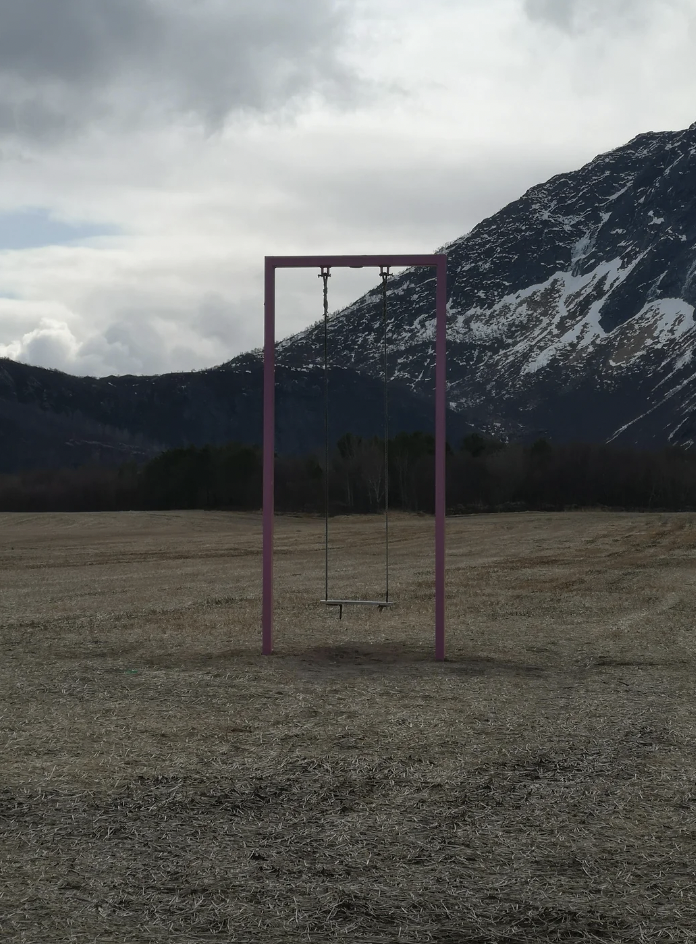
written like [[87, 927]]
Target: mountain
[[571, 311], [49, 419], [571, 316]]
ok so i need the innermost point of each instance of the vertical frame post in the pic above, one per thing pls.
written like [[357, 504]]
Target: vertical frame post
[[440, 451], [268, 454]]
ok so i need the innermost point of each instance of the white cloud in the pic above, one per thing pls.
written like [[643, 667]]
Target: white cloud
[[51, 344]]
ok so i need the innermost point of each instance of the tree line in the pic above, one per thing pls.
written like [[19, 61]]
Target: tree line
[[483, 475]]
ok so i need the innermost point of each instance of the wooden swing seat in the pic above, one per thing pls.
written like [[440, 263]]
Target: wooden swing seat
[[341, 603]]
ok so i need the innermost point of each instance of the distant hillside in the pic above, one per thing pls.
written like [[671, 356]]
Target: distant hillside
[[50, 419], [32, 438]]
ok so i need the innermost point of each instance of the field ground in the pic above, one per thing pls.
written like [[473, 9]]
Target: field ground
[[162, 781]]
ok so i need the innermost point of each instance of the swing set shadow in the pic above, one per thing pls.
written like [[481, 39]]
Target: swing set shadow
[[324, 264]]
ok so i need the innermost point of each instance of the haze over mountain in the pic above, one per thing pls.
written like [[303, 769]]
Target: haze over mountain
[[571, 316]]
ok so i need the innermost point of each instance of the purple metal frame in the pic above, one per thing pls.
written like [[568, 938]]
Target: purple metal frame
[[439, 261]]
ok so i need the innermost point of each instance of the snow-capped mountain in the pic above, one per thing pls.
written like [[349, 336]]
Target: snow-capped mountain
[[571, 311]]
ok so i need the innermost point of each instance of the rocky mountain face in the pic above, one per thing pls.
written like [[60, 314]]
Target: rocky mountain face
[[571, 316], [571, 311]]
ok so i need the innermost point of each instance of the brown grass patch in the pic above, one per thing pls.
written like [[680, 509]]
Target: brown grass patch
[[162, 781]]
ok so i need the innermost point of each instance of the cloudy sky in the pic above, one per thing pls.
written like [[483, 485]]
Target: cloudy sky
[[153, 151]]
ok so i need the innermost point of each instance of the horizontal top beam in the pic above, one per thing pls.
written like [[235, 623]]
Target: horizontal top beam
[[354, 262]]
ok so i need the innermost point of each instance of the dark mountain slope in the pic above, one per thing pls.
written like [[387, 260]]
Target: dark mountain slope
[[49, 419], [31, 438]]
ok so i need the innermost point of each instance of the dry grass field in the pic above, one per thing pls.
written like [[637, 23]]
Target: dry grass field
[[162, 781]]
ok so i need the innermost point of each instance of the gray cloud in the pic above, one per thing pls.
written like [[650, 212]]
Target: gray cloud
[[226, 322], [63, 64], [574, 16], [407, 199]]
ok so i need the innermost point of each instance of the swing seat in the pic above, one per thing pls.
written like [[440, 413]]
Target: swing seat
[[341, 603]]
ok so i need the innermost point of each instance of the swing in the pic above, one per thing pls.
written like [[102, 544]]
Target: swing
[[325, 275], [438, 261]]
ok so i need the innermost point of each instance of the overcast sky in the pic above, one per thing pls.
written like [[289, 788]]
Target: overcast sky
[[153, 151]]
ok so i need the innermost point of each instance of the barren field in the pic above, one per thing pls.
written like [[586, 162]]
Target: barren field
[[162, 781]]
